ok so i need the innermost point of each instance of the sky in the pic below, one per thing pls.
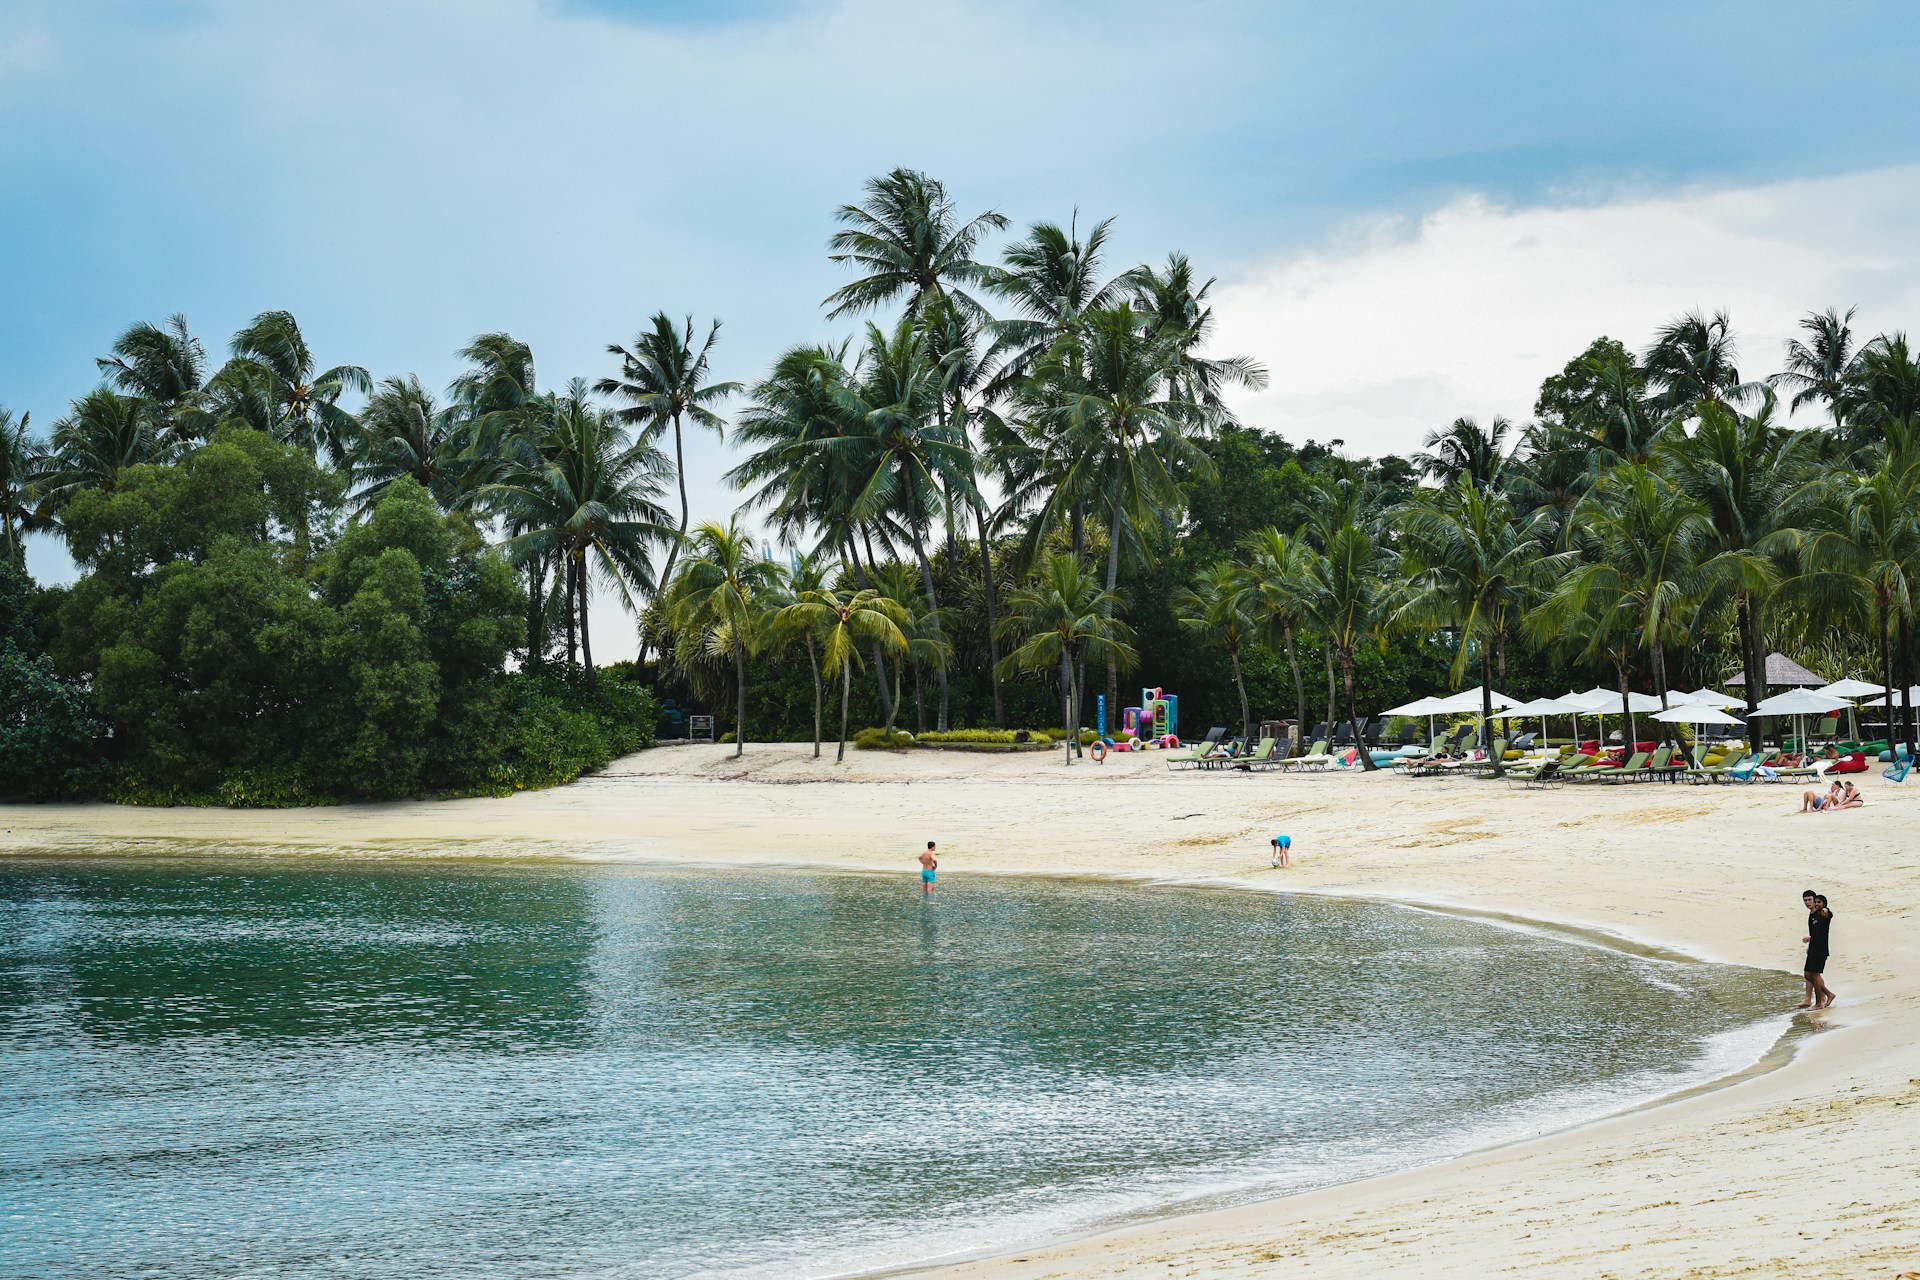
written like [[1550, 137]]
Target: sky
[[1414, 211]]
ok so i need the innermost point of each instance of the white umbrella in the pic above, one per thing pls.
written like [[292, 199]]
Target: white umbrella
[[1694, 713], [1852, 689], [1893, 698], [1797, 703], [1713, 698], [1544, 707], [1428, 707]]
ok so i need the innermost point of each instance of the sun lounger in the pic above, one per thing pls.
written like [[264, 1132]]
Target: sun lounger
[[1314, 759], [1198, 752], [1262, 757]]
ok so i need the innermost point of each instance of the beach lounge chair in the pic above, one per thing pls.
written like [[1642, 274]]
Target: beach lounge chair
[[1547, 775], [1314, 759], [1198, 751], [1262, 757], [1897, 771], [1232, 751], [1722, 772]]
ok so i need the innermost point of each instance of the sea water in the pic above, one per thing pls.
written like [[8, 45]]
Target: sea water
[[300, 1069]]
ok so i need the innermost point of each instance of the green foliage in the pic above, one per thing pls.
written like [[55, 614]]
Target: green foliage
[[988, 737], [881, 739]]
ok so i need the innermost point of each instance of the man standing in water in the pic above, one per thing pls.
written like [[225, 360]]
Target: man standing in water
[[1819, 922], [929, 864]]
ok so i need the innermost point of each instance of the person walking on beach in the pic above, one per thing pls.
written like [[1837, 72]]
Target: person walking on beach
[[929, 864], [1819, 922]]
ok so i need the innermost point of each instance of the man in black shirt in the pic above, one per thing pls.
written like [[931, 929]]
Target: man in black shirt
[[1819, 922]]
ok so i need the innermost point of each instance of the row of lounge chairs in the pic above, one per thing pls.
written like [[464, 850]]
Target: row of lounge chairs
[[1210, 753]]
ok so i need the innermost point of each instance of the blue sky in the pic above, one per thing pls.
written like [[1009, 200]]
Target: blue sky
[[404, 175]]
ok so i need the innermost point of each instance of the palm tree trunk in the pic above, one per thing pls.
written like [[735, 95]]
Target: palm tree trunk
[[573, 648], [1113, 584], [1486, 710], [993, 616], [586, 637], [819, 692], [1353, 715], [879, 657], [1906, 682], [1333, 709], [1753, 638], [536, 611], [1246, 711], [919, 700], [673, 551], [846, 688], [1886, 671], [1299, 686], [1626, 711], [1066, 699], [740, 705], [933, 603]]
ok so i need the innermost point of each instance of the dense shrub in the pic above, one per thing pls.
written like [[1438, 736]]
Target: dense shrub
[[986, 737], [878, 739]]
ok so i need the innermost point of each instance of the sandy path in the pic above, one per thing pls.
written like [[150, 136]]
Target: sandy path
[[1811, 1170]]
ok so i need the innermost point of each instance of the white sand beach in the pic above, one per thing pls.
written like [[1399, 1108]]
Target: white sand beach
[[1809, 1170]]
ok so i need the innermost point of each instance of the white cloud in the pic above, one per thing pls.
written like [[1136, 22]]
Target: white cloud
[[1393, 329]]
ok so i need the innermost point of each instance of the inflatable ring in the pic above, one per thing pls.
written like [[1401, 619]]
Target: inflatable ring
[[1098, 751]]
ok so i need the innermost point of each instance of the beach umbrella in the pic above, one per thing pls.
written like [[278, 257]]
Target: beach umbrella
[[1851, 689], [1894, 698], [1713, 698], [1797, 703], [1779, 669], [1470, 700], [1544, 707], [1694, 713], [1428, 707]]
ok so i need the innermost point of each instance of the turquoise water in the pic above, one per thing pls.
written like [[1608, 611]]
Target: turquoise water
[[224, 1069]]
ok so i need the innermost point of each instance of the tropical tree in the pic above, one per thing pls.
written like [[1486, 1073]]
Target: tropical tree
[[164, 365], [1692, 359], [1278, 569], [1219, 609], [908, 241], [1051, 278], [843, 620], [1822, 368], [1179, 309], [21, 463], [1474, 566], [582, 494], [273, 370], [1060, 617], [403, 432], [1465, 448], [663, 379], [1351, 596], [724, 587], [1886, 385], [1752, 479], [102, 435]]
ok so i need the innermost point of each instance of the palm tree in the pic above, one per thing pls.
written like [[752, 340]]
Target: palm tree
[[902, 460], [1277, 568], [1219, 608], [1061, 616], [102, 435], [1051, 278], [581, 494], [906, 239], [1752, 479], [843, 620], [1350, 596], [1465, 448], [1691, 360], [724, 586], [1886, 384], [1177, 307], [162, 364], [271, 359], [1822, 368], [1473, 566], [1650, 558], [21, 463], [402, 432], [806, 574], [663, 379]]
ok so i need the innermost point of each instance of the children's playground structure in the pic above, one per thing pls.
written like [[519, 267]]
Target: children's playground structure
[[1154, 723]]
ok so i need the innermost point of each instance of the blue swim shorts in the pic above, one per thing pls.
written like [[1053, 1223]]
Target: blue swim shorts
[[926, 875]]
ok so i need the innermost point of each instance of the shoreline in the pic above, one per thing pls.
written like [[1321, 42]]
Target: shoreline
[[1806, 1168]]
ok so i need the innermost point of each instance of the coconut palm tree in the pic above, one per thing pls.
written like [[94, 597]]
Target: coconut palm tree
[[1051, 278], [102, 435], [272, 367], [22, 461], [1178, 307], [1821, 369], [1351, 595], [806, 574], [908, 241], [164, 365], [843, 620], [1474, 566], [1753, 479], [582, 494], [1219, 609], [1692, 359], [1276, 567], [1886, 385], [1465, 448], [725, 586], [663, 380], [1060, 617], [403, 432], [901, 460]]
